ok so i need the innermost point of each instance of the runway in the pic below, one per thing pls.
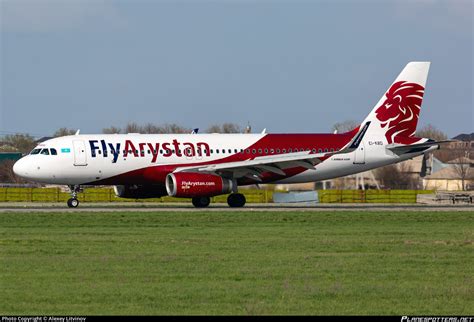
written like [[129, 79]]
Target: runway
[[184, 207]]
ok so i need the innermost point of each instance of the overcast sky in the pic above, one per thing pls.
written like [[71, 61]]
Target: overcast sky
[[288, 66]]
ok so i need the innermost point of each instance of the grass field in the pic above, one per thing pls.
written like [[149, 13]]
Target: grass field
[[401, 263]]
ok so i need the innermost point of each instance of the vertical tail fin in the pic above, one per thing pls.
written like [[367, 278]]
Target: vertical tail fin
[[395, 116]]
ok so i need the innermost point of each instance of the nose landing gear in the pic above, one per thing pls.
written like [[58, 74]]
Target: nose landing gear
[[73, 202]]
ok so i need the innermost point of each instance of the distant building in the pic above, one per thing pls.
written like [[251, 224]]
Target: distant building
[[449, 179]]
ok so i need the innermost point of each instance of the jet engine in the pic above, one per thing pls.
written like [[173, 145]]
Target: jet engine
[[189, 185]]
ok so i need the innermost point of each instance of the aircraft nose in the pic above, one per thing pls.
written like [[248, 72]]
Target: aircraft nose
[[20, 168]]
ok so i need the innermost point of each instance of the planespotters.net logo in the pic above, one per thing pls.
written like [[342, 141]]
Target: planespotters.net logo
[[437, 319]]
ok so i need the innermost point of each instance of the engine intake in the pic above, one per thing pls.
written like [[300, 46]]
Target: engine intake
[[189, 185]]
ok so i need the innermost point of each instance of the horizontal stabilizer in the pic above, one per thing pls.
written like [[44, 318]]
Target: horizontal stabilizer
[[413, 148]]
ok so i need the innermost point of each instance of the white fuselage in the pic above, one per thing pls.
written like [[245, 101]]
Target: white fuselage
[[90, 159]]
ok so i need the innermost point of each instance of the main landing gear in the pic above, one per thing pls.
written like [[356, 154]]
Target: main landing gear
[[234, 200], [73, 202]]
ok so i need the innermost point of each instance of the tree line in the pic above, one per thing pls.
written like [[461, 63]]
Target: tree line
[[24, 143]]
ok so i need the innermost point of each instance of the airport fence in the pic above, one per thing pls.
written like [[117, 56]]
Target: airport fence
[[252, 196], [108, 195], [370, 196]]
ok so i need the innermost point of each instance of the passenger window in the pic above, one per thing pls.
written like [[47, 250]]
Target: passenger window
[[54, 152], [271, 151], [314, 150], [260, 151], [325, 150], [284, 151], [217, 150], [44, 152], [332, 150], [248, 150], [320, 150], [278, 150], [254, 151], [266, 150], [290, 150], [230, 151]]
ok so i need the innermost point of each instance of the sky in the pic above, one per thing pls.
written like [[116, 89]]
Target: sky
[[287, 66]]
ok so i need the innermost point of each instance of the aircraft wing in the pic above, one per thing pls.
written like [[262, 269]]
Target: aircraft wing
[[252, 168], [270, 163]]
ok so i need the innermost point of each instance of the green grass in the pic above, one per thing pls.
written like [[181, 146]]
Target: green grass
[[401, 263]]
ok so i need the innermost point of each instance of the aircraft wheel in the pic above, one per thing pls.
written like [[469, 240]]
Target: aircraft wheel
[[72, 203], [201, 202], [236, 200]]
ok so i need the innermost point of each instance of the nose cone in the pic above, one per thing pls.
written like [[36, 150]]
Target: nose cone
[[20, 168]]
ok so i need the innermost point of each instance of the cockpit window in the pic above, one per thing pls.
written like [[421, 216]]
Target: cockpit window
[[35, 151], [54, 152], [45, 151]]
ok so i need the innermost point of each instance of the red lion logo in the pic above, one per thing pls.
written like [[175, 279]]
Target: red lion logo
[[400, 112]]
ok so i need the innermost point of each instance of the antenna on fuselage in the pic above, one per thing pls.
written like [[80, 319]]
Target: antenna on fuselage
[[77, 132]]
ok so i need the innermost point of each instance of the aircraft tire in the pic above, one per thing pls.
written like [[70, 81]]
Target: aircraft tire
[[236, 200], [201, 202], [72, 203]]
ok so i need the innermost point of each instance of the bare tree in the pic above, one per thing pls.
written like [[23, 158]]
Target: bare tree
[[132, 127], [462, 163], [431, 132], [6, 172], [151, 128], [224, 128], [174, 128], [111, 130], [346, 126], [8, 148], [396, 176], [230, 128], [23, 142], [64, 132]]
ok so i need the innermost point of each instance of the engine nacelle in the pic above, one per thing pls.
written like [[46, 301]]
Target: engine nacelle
[[188, 185], [140, 191]]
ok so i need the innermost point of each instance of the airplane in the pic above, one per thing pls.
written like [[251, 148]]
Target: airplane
[[199, 166]]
